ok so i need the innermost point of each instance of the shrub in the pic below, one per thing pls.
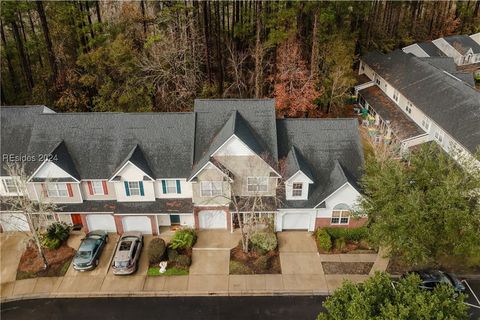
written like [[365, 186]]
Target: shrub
[[183, 261], [340, 244], [183, 239], [156, 250], [264, 241], [50, 243], [350, 234], [239, 268], [262, 263], [172, 254], [58, 230], [323, 239]]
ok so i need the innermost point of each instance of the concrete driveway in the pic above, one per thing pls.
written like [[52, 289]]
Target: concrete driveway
[[12, 246], [298, 254], [217, 240]]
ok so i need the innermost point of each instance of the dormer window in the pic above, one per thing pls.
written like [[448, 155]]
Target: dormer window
[[297, 189], [57, 190], [134, 188]]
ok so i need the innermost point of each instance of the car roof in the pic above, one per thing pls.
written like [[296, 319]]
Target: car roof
[[124, 249], [434, 275], [87, 244]]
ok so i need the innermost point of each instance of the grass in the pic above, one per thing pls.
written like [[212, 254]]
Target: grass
[[50, 272], [239, 268], [155, 271]]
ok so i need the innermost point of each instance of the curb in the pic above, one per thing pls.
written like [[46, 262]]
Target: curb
[[163, 294]]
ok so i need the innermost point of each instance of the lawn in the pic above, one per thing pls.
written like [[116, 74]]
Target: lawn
[[155, 271]]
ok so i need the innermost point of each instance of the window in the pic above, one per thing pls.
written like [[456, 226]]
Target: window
[[377, 81], [211, 188], [297, 189], [257, 184], [426, 123], [57, 190], [340, 217], [408, 107], [439, 136], [133, 188], [10, 185], [171, 186], [395, 95], [97, 188]]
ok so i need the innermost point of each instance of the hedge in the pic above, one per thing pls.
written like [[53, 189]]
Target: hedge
[[349, 234]]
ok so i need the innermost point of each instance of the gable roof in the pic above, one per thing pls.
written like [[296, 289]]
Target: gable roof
[[17, 121], [332, 148], [99, 142], [462, 43], [136, 157], [296, 162], [61, 158], [431, 49], [448, 101]]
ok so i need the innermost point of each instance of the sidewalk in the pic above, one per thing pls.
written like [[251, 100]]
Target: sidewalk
[[302, 274]]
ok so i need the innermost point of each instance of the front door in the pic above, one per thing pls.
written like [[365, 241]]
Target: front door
[[174, 219], [76, 219]]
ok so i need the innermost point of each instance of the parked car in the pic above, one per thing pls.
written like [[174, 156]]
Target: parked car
[[90, 249], [432, 278], [127, 253]]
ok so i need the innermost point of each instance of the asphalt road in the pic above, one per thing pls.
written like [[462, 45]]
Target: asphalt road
[[166, 308], [475, 309]]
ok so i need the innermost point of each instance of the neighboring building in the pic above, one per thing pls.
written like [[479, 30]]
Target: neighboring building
[[140, 171], [463, 49], [413, 100]]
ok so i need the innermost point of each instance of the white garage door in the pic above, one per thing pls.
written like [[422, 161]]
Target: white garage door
[[296, 221], [101, 222], [142, 224], [212, 219], [14, 222]]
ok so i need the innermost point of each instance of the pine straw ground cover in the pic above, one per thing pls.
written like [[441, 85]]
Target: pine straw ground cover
[[31, 264], [254, 262], [347, 267]]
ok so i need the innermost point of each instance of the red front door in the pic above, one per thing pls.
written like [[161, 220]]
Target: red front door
[[76, 219]]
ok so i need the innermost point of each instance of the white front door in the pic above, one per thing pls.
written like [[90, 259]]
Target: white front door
[[142, 224], [14, 222], [103, 222], [296, 221], [212, 219]]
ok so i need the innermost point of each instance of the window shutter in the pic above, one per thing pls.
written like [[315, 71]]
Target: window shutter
[[127, 190], [69, 189], [164, 186], [105, 189], [141, 188], [90, 188], [179, 190]]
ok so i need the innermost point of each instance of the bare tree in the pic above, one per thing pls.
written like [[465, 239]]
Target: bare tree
[[34, 213]]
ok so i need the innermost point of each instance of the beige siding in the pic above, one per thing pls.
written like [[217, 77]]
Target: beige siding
[[77, 198], [87, 196], [211, 175]]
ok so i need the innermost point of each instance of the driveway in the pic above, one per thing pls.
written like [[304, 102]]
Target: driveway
[[12, 246]]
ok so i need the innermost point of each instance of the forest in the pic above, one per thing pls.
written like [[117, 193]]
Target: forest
[[142, 56]]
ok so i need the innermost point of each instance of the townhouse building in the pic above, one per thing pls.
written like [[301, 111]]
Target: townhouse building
[[413, 100], [464, 49], [143, 171]]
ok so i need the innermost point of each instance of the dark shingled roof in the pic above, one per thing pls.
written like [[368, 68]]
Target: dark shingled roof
[[136, 157], [140, 207], [235, 125], [257, 114], [451, 103], [331, 146], [402, 126], [61, 157], [431, 49], [296, 162], [447, 63], [462, 43], [16, 129], [99, 142]]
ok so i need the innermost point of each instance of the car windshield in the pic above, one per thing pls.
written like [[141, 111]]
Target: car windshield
[[121, 264], [84, 254]]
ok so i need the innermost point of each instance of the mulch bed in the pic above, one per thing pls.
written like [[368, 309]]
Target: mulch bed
[[247, 261], [351, 247], [347, 267], [31, 264]]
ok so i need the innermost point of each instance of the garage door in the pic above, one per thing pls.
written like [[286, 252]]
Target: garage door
[[101, 222], [14, 222], [142, 224], [296, 221], [212, 219]]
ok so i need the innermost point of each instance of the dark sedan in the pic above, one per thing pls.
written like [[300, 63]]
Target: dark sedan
[[431, 279], [90, 250]]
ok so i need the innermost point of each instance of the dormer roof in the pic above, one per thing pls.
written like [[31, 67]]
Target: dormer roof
[[295, 162], [137, 158]]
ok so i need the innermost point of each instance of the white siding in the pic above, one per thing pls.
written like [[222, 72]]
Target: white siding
[[416, 50], [132, 173], [299, 177], [185, 188], [49, 170], [234, 147], [346, 194]]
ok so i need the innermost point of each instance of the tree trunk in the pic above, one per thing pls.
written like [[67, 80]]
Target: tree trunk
[[219, 50], [21, 50], [144, 19], [259, 53], [32, 26], [48, 41], [206, 9], [8, 57], [97, 7], [89, 17], [36, 238], [314, 55]]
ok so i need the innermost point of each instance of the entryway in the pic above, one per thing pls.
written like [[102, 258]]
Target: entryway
[[296, 221], [141, 223], [101, 222], [212, 219]]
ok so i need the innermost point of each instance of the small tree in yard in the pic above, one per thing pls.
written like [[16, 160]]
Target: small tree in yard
[[379, 298], [426, 208], [36, 212]]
